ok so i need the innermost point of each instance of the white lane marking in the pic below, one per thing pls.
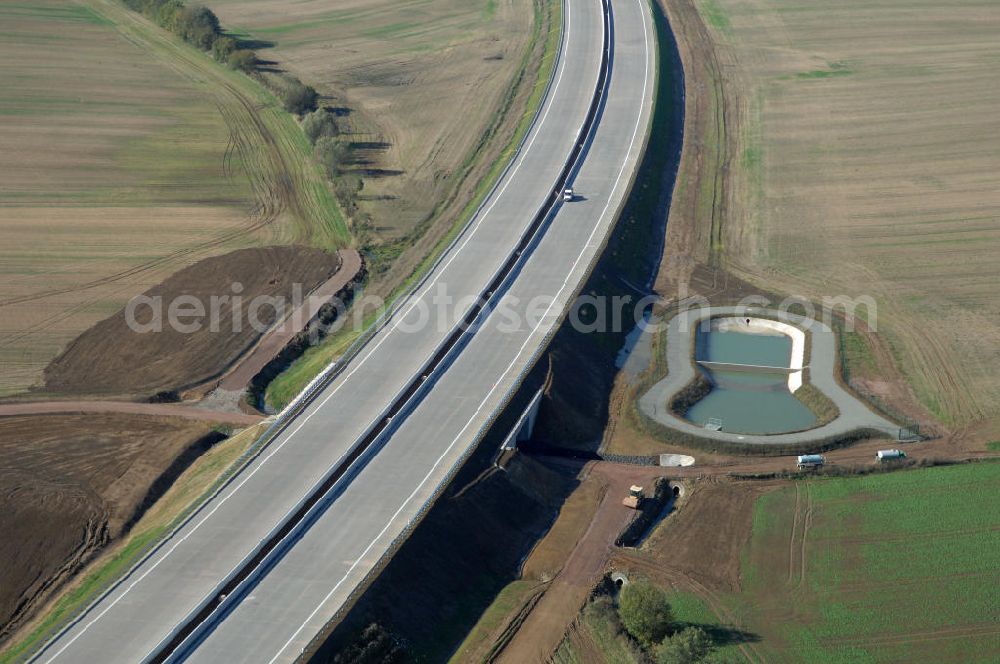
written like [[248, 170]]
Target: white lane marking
[[507, 371], [316, 407]]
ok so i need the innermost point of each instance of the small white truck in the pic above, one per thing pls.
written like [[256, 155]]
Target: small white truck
[[810, 461], [568, 194], [889, 455]]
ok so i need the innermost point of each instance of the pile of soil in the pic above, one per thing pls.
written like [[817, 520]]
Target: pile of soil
[[113, 359], [71, 484]]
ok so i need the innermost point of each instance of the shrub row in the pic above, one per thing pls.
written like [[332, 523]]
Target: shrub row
[[296, 97], [199, 26]]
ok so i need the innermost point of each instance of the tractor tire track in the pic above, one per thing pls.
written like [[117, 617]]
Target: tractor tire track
[[796, 513], [264, 159], [804, 538]]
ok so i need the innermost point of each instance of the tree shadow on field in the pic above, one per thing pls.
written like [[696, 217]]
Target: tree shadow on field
[[722, 635], [252, 43], [373, 173], [377, 197], [366, 154], [270, 66], [340, 112]]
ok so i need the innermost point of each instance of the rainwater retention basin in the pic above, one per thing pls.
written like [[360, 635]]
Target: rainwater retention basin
[[753, 366]]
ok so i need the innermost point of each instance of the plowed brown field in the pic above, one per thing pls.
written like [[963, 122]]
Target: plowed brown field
[[69, 485]]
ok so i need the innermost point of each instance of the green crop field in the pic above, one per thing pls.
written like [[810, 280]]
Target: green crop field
[[897, 567]]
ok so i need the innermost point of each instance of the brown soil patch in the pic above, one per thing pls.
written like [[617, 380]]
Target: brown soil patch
[[71, 484], [576, 515], [279, 337], [128, 407], [703, 538], [543, 629], [697, 549], [112, 359]]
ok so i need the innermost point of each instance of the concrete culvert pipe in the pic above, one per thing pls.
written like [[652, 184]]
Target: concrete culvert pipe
[[676, 460], [619, 579]]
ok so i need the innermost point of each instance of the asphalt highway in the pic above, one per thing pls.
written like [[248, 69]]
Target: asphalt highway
[[332, 560], [132, 621]]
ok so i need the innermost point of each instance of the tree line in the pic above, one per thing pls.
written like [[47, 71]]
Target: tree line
[[643, 622], [200, 27]]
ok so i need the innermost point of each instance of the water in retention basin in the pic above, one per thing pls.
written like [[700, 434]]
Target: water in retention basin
[[749, 401]]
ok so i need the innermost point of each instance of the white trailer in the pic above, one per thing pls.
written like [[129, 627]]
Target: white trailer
[[889, 455], [811, 461]]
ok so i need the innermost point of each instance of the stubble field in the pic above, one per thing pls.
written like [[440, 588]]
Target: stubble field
[[862, 152], [130, 155], [422, 80]]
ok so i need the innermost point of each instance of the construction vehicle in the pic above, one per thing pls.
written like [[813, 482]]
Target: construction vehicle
[[811, 461], [889, 455], [634, 498]]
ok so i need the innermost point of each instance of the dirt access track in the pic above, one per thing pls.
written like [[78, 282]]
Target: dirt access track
[[278, 337], [127, 408], [157, 347], [543, 629]]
